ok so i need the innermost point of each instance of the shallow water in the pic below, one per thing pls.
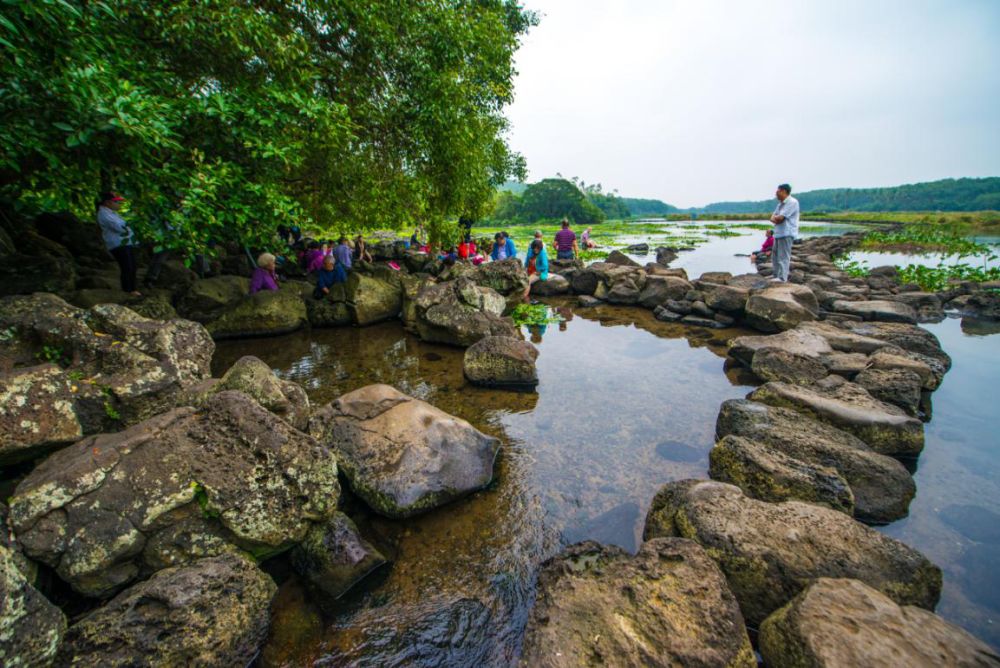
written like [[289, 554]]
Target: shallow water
[[624, 404]]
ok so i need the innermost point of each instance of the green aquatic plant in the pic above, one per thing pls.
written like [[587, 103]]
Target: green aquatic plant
[[853, 268], [924, 238], [534, 314], [592, 254], [933, 279]]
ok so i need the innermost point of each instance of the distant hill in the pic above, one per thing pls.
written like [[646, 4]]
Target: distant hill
[[945, 195], [515, 187], [647, 207]]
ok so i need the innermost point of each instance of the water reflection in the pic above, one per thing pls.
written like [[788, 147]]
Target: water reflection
[[624, 404]]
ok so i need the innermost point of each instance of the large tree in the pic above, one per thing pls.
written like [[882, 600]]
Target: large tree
[[228, 117]]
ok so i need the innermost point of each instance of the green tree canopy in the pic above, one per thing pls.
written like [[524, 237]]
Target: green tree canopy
[[548, 199], [228, 117]]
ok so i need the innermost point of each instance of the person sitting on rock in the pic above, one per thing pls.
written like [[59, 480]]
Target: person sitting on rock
[[586, 241], [326, 277], [118, 239], [499, 251], [765, 249], [361, 253], [314, 257], [343, 255], [536, 262], [264, 277]]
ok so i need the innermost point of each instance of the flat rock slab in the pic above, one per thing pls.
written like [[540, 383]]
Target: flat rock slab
[[796, 341], [667, 606], [882, 487], [842, 622], [884, 427], [770, 551], [212, 612], [184, 484], [402, 455], [886, 311], [788, 367], [780, 307]]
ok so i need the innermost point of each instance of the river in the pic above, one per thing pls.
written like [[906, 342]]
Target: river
[[624, 404]]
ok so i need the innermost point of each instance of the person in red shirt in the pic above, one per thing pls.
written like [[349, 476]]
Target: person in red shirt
[[765, 249]]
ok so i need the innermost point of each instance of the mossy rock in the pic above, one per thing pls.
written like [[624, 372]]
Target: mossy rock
[[267, 313]]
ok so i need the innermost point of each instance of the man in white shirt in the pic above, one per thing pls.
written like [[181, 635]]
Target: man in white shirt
[[786, 227]]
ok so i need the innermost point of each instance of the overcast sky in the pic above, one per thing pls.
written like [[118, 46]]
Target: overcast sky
[[705, 100]]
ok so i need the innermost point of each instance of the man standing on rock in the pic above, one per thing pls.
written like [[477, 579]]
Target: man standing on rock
[[786, 227], [565, 242]]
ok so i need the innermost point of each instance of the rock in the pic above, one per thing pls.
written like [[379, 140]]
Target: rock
[[497, 361], [209, 298], [654, 269], [910, 339], [664, 314], [986, 304], [700, 308], [334, 557], [716, 277], [900, 387], [459, 313], [770, 475], [882, 487], [586, 301], [25, 274], [794, 341], [842, 339], [844, 364], [770, 551], [507, 278], [254, 378], [124, 367], [697, 321], [177, 487], [152, 304], [659, 289], [724, 320], [681, 306], [31, 628], [552, 286], [638, 248], [327, 312], [371, 300], [664, 256], [748, 282], [877, 310], [843, 622], [619, 258], [885, 359], [401, 455], [212, 612], [584, 281], [886, 271], [727, 298], [557, 266], [884, 427], [618, 284], [667, 606], [267, 313], [788, 367], [780, 307]]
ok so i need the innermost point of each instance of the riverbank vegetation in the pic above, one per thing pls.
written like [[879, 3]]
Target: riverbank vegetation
[[922, 238], [226, 119]]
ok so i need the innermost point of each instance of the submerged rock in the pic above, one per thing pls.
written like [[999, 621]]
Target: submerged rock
[[771, 475], [179, 486], [770, 551], [884, 427], [31, 627], [842, 622], [212, 612], [402, 455], [459, 313], [780, 307], [334, 557], [667, 606], [501, 362], [881, 486]]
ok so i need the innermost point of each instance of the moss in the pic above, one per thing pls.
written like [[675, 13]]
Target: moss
[[778, 643], [201, 496]]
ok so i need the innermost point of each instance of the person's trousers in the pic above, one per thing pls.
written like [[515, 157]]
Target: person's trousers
[[781, 257], [565, 255], [125, 257], [156, 266]]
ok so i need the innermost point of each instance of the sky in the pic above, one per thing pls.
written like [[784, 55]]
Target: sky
[[699, 101]]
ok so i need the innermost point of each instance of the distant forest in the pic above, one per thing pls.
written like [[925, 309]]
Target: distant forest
[[577, 199]]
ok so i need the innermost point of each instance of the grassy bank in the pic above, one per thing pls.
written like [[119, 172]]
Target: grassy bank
[[961, 221]]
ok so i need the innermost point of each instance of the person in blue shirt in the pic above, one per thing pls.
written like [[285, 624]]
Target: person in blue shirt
[[325, 277], [511, 249], [536, 262]]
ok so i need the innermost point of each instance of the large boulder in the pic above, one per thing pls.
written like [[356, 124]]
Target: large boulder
[[497, 361], [881, 486], [401, 455], [900, 387], [112, 367], [209, 298], [459, 313], [507, 278], [24, 274], [728, 298], [770, 475], [910, 340], [770, 551], [887, 311], [31, 628], [615, 283], [619, 258], [212, 612], [153, 304], [667, 606], [181, 485], [794, 341], [885, 427], [551, 286], [843, 622], [659, 289], [334, 557], [266, 313], [780, 307], [372, 299], [254, 378]]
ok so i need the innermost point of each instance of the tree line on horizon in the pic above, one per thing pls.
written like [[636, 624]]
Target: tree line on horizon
[[966, 194]]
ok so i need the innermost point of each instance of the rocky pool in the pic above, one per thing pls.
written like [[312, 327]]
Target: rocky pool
[[624, 404]]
